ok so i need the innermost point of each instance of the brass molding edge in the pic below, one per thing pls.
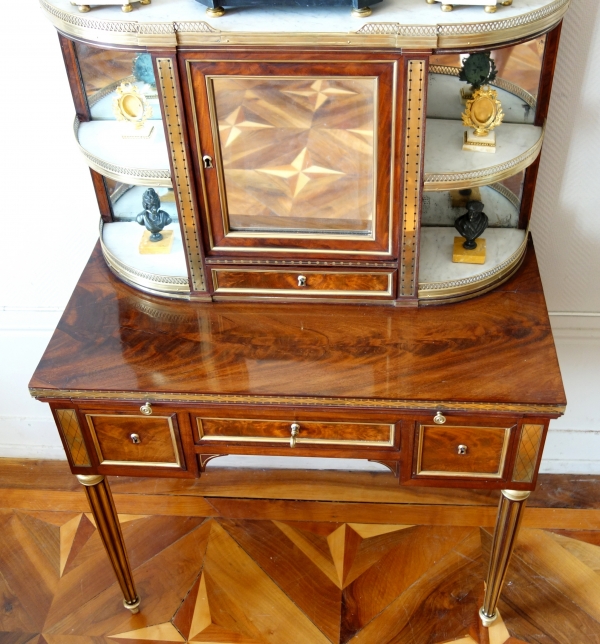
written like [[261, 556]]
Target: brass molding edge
[[182, 175], [485, 176], [150, 282], [136, 176], [89, 480], [437, 290], [516, 495], [232, 399], [372, 34], [512, 88]]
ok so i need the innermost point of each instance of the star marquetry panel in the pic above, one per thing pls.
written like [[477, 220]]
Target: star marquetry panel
[[297, 153], [254, 582]]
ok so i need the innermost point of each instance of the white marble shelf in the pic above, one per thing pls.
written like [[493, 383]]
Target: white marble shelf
[[122, 240], [142, 162], [501, 209], [443, 100], [399, 22], [448, 166], [437, 268]]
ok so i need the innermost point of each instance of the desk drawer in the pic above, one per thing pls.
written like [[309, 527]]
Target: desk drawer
[[122, 439], [301, 282], [462, 451], [304, 432]]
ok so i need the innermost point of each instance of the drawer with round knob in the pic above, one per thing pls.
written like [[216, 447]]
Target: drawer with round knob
[[445, 448], [295, 432], [146, 439], [252, 281]]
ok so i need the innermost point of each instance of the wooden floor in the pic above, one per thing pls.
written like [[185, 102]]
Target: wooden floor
[[290, 574]]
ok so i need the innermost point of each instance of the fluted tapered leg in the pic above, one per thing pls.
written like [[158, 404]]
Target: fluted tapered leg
[[510, 513], [103, 508]]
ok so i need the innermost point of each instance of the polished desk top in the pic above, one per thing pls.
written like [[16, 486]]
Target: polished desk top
[[493, 352]]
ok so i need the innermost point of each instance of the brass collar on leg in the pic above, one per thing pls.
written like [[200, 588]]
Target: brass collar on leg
[[89, 480]]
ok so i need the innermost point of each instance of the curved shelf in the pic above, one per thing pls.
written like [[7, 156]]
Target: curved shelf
[[164, 275], [448, 166], [441, 279], [412, 24], [443, 97], [143, 162]]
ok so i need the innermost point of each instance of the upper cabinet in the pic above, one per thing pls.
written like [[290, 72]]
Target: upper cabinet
[[308, 154]]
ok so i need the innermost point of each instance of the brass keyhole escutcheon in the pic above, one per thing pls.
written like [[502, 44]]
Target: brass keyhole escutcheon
[[146, 409], [294, 430], [439, 418], [462, 450], [207, 161], [301, 280], [135, 439]]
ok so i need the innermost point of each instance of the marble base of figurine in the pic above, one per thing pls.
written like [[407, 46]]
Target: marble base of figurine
[[459, 200], [474, 143], [132, 132], [161, 247], [461, 255]]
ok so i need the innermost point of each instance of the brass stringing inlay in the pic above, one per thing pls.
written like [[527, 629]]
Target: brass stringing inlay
[[180, 168], [412, 176], [373, 403], [67, 419], [296, 155], [529, 447]]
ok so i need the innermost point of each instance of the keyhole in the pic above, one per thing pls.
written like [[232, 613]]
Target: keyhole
[[207, 161]]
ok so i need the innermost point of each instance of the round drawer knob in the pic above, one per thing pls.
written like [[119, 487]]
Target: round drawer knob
[[462, 450], [294, 430], [439, 418], [301, 280], [135, 439], [146, 409]]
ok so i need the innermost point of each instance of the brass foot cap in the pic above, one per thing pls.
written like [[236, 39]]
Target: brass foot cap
[[447, 7], [485, 620], [431, 1], [126, 8], [362, 13], [490, 8], [215, 12], [83, 8], [506, 3], [149, 1], [133, 606]]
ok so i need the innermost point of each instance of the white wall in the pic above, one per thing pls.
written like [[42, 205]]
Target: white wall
[[49, 217]]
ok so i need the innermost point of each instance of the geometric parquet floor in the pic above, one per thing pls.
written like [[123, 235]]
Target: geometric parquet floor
[[261, 581]]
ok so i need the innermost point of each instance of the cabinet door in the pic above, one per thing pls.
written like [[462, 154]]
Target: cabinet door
[[296, 155]]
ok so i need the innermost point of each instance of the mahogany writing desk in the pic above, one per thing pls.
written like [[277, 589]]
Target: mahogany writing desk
[[451, 396]]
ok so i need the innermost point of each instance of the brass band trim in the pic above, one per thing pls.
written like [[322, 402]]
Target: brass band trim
[[516, 495], [479, 475], [485, 176], [89, 480], [239, 399], [181, 169], [372, 34], [299, 439], [439, 290], [156, 284], [137, 176], [103, 461], [411, 193], [512, 88]]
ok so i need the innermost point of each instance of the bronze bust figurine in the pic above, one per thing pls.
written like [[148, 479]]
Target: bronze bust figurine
[[153, 218], [472, 224]]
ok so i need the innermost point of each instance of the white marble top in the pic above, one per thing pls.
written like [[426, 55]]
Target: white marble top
[[435, 260], [104, 140], [444, 140], [312, 19]]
